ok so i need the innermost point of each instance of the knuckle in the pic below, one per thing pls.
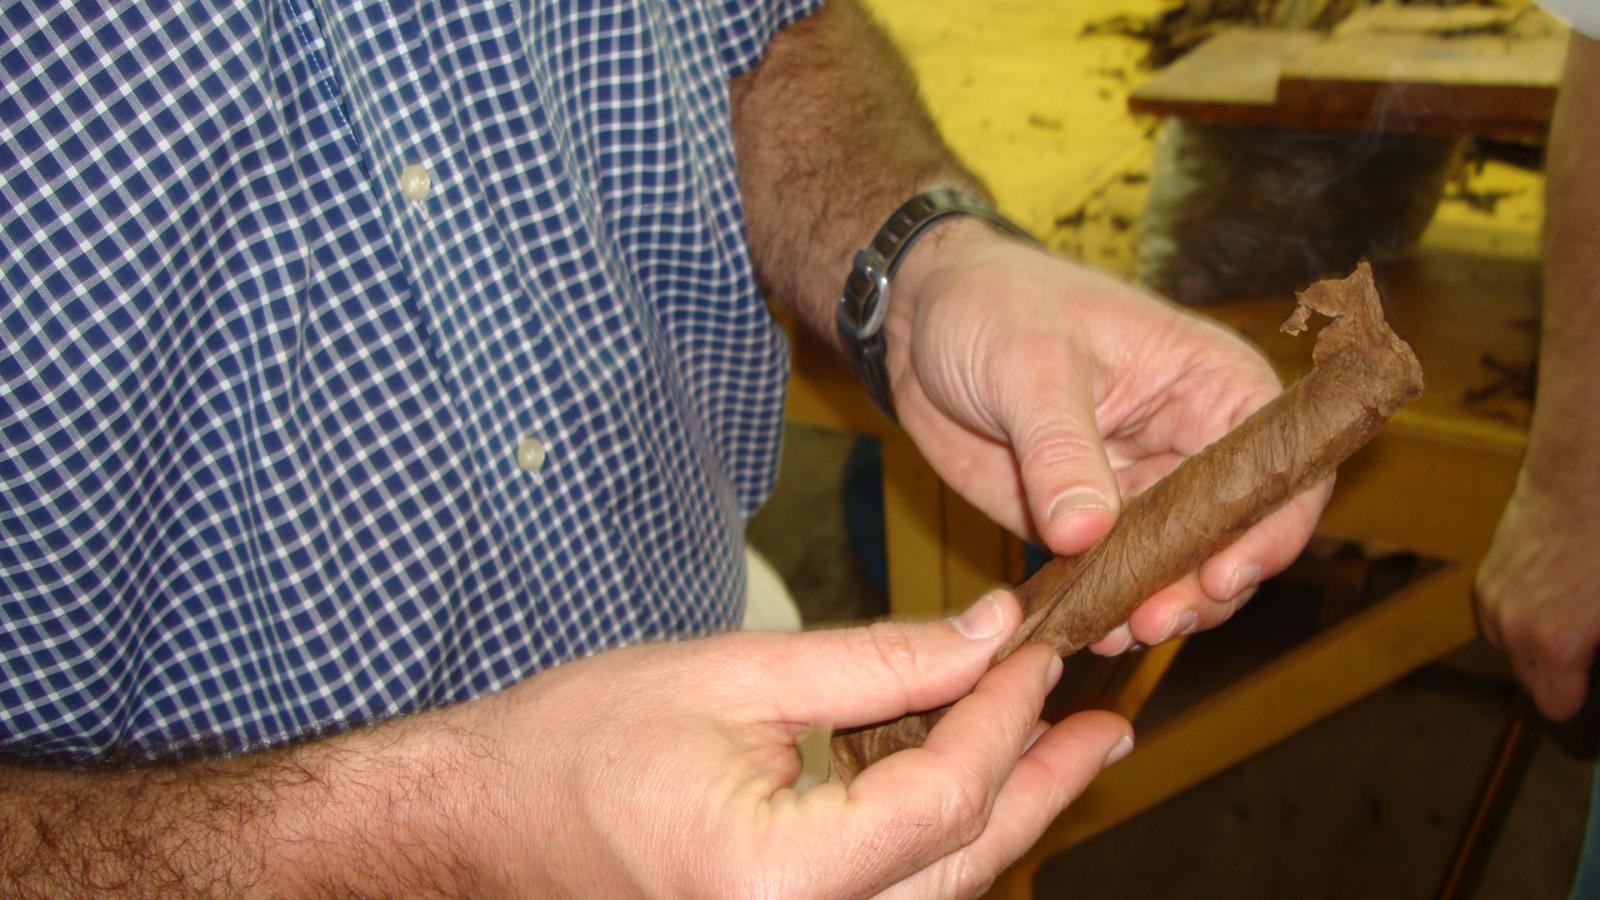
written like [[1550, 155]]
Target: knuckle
[[1555, 646], [892, 647], [965, 806], [1517, 632], [965, 879], [1058, 442]]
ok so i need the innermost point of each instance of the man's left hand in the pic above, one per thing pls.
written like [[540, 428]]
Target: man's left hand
[[1045, 392]]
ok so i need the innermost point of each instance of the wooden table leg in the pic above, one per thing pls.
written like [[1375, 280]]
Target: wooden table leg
[[1510, 765], [1420, 623]]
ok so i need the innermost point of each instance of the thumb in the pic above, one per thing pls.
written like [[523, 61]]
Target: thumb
[[1071, 490], [860, 676]]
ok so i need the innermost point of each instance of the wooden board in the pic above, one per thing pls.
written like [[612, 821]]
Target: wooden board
[[1461, 63], [1383, 643], [1481, 85], [1413, 71], [1231, 79]]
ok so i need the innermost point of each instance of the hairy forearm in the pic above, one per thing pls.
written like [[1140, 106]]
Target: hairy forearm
[[831, 138], [1562, 451], [366, 813]]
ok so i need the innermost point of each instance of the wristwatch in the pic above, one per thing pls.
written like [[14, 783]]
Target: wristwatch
[[865, 303]]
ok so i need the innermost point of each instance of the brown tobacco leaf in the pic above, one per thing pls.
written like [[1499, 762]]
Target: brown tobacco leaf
[[1363, 374]]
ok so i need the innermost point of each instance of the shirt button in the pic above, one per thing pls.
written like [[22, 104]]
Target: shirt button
[[530, 454], [415, 182]]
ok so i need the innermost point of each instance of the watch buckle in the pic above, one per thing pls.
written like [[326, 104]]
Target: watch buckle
[[874, 302]]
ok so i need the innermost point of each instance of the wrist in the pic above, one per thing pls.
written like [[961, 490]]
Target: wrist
[[927, 263], [1560, 465], [1556, 490], [941, 249], [398, 808], [1548, 506], [880, 290]]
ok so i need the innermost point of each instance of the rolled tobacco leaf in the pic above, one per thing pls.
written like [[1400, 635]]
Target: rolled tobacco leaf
[[1362, 374]]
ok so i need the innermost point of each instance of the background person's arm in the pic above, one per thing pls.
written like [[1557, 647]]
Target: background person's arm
[[1539, 585]]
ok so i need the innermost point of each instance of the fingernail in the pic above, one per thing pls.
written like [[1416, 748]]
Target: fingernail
[[1244, 578], [1122, 748], [1124, 639], [1182, 623], [1074, 500], [1039, 728], [1052, 675], [981, 620]]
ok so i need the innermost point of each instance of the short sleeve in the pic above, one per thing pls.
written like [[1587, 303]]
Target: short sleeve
[[747, 26], [1582, 15]]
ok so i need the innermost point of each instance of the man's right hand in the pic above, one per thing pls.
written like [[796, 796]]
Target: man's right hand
[[667, 770], [662, 770]]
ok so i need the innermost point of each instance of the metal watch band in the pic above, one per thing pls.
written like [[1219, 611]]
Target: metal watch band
[[865, 303]]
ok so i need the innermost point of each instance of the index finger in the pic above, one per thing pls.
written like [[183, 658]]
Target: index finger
[[919, 805]]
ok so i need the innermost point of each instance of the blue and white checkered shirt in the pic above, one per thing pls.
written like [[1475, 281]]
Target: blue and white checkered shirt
[[362, 357]]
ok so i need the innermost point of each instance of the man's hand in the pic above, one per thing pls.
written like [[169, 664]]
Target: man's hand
[[667, 770], [661, 771], [1045, 392], [1538, 594]]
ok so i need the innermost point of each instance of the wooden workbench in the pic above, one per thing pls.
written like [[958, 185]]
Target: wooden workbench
[[1433, 71]]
